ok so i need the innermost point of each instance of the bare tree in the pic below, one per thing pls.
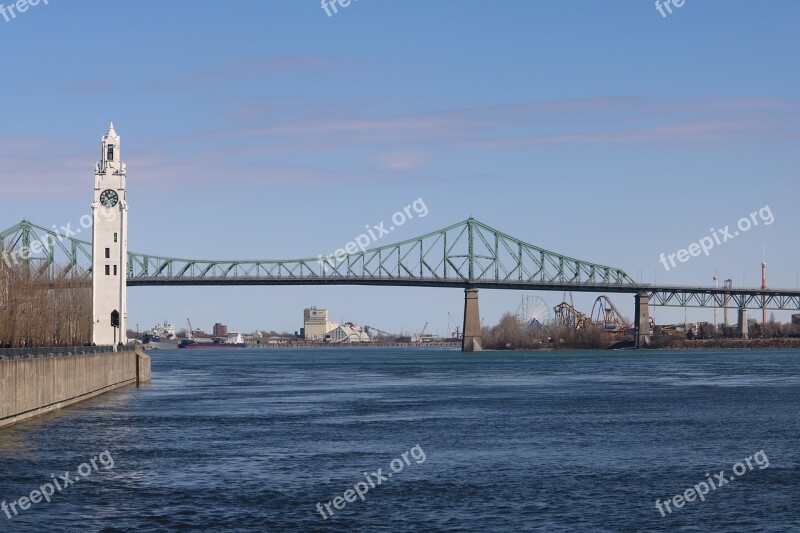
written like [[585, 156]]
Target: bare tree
[[511, 334], [40, 308]]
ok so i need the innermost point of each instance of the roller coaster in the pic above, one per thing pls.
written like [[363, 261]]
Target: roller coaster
[[605, 316]]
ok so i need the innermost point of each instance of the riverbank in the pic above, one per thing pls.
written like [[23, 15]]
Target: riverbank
[[42, 382], [675, 343], [792, 343]]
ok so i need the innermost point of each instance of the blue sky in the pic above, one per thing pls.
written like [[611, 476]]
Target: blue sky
[[266, 129]]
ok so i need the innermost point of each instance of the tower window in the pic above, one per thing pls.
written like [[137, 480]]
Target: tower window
[[110, 154], [108, 253], [115, 237], [115, 270], [108, 270]]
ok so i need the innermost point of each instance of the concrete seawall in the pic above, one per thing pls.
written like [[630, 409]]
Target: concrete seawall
[[31, 387]]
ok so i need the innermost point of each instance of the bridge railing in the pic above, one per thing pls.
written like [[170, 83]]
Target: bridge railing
[[37, 353]]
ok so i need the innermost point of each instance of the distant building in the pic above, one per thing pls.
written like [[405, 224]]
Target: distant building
[[220, 330], [796, 319], [316, 325], [349, 333], [425, 338]]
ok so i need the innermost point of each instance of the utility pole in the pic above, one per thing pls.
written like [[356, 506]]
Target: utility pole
[[716, 285]]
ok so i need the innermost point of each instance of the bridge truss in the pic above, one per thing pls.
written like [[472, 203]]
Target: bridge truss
[[462, 254], [469, 254], [46, 250]]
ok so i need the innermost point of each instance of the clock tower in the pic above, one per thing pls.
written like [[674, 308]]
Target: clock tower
[[109, 246]]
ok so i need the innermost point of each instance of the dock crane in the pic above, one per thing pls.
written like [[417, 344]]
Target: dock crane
[[191, 330], [421, 334], [454, 333]]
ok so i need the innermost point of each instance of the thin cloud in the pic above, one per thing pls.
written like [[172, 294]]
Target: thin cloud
[[694, 131], [563, 121], [265, 65], [94, 86], [344, 145], [253, 68], [400, 162]]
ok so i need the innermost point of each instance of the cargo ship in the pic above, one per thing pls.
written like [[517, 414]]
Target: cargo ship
[[234, 340], [161, 337]]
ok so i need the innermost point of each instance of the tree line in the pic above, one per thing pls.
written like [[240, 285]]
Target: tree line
[[511, 334], [42, 309]]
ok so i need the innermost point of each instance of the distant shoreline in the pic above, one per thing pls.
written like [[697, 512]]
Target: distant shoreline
[[680, 344], [340, 345], [790, 343], [659, 344]]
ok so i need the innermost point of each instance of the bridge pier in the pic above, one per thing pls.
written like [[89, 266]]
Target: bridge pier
[[642, 321], [472, 340], [743, 327]]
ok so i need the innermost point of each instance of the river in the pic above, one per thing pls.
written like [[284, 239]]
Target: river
[[248, 440]]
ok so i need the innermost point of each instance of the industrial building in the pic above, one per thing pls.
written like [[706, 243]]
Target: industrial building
[[349, 333], [316, 325]]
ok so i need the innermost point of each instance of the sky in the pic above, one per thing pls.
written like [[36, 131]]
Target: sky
[[269, 130]]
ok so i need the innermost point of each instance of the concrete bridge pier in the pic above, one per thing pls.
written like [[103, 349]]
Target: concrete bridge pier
[[743, 327], [472, 341], [642, 321]]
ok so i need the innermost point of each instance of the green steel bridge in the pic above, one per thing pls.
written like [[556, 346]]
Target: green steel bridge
[[469, 255]]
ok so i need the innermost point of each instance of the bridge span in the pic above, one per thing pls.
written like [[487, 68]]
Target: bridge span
[[469, 255]]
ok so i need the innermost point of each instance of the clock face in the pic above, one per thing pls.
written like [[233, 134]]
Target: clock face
[[109, 198]]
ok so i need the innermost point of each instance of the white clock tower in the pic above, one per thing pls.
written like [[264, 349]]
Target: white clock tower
[[109, 246]]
